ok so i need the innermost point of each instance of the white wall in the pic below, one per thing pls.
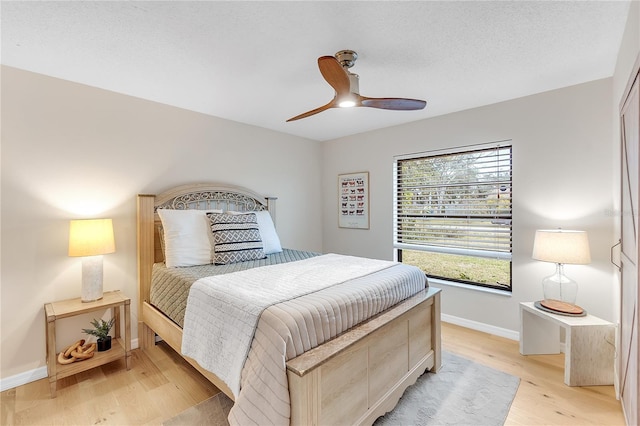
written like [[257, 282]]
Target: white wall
[[562, 177], [72, 151]]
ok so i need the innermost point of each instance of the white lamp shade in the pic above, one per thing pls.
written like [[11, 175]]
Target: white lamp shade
[[562, 246], [91, 237]]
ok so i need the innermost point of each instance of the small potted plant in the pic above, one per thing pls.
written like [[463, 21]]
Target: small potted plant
[[101, 332]]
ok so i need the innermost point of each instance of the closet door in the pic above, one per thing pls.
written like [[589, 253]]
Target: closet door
[[628, 348]]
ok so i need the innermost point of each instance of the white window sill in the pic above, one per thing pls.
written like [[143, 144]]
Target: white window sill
[[441, 282]]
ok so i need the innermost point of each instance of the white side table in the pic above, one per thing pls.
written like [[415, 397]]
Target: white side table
[[589, 343]]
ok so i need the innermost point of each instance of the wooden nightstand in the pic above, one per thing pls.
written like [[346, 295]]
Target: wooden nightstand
[[72, 307]]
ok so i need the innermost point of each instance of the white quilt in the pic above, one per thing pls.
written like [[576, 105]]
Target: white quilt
[[223, 311]]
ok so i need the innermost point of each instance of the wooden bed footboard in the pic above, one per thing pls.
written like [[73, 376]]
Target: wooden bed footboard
[[362, 374]]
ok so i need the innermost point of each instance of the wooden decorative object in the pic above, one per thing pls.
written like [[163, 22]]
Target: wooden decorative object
[[560, 306], [77, 352]]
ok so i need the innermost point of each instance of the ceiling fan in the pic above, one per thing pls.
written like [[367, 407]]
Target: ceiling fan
[[335, 70]]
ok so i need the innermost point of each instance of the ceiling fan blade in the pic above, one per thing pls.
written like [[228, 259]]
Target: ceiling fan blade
[[393, 103], [313, 111], [335, 75]]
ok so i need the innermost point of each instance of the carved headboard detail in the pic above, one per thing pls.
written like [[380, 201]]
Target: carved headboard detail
[[214, 196]]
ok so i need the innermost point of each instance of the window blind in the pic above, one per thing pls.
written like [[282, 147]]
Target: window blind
[[455, 202]]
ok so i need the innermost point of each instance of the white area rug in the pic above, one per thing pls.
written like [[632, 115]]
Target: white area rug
[[461, 393]]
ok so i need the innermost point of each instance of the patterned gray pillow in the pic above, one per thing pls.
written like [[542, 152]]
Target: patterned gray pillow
[[236, 238]]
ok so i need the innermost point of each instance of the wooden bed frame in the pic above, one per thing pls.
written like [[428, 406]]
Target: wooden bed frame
[[352, 379]]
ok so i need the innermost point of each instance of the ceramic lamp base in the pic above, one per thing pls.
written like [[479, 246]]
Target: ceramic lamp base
[[91, 278]]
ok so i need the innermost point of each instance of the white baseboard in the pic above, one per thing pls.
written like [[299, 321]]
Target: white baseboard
[[33, 375], [486, 328], [23, 378], [479, 326]]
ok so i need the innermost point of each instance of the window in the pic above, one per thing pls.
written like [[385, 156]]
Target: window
[[452, 214]]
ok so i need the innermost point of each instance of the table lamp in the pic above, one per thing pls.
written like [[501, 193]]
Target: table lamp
[[90, 239], [561, 247]]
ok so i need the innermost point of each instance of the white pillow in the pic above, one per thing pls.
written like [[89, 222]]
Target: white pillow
[[270, 239], [187, 238]]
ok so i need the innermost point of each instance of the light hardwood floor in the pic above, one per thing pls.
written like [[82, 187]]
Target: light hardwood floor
[[160, 385]]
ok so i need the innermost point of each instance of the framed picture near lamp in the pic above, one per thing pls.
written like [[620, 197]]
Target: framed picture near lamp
[[353, 200]]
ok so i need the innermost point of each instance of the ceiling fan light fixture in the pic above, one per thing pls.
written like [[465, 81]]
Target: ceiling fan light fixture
[[347, 102], [351, 100]]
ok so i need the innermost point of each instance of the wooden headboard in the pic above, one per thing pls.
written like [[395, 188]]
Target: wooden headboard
[[201, 196]]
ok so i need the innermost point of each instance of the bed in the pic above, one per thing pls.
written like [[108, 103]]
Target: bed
[[352, 378]]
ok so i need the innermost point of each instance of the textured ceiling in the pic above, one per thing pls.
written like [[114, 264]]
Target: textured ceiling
[[255, 62]]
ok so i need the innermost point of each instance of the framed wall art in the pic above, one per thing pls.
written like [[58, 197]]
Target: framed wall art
[[353, 200]]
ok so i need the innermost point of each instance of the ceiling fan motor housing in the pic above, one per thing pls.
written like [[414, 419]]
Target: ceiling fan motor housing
[[347, 58]]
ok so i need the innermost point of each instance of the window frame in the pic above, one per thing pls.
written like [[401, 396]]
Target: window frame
[[501, 218]]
